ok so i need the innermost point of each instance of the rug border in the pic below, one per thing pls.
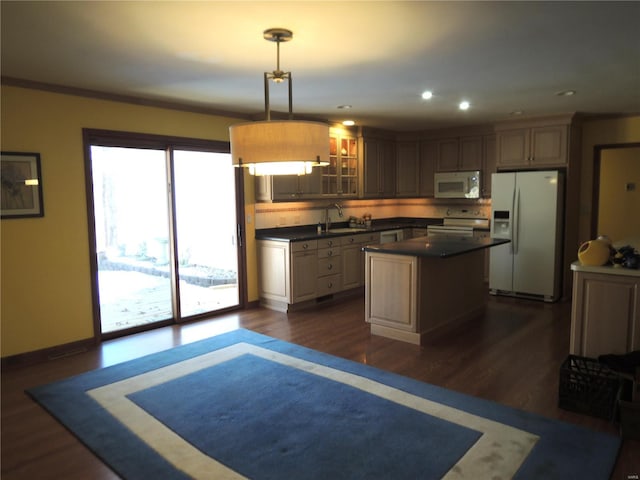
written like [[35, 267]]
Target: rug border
[[607, 445]]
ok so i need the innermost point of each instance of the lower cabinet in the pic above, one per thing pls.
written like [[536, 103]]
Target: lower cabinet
[[304, 267], [296, 272], [605, 314]]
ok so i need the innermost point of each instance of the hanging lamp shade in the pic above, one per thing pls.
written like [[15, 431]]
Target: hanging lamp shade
[[279, 147]]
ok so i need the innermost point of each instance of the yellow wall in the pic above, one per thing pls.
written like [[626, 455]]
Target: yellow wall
[[45, 283], [619, 208], [610, 131]]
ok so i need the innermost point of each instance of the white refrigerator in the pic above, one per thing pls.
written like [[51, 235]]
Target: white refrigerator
[[527, 208]]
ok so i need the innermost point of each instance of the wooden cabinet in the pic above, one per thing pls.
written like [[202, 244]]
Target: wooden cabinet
[[539, 146], [489, 163], [340, 177], [353, 258], [408, 160], [352, 266], [460, 154], [427, 167], [605, 314], [378, 172], [292, 273], [273, 188], [304, 268], [448, 155]]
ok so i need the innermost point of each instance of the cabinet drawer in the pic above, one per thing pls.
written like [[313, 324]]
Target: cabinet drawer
[[328, 252], [304, 246], [329, 266], [350, 239], [329, 284], [369, 238], [328, 242]]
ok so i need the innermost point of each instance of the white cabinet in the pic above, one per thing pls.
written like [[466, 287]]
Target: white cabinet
[[605, 313], [539, 146]]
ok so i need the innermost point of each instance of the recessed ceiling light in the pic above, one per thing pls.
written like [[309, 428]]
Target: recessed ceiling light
[[464, 105], [344, 107], [427, 94], [516, 112], [348, 123], [566, 93]]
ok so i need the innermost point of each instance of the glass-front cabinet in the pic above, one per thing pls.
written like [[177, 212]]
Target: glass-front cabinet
[[340, 177]]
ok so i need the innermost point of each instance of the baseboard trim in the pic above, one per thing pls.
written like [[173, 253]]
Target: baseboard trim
[[47, 354]]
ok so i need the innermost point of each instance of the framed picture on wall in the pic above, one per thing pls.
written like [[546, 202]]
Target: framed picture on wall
[[21, 187]]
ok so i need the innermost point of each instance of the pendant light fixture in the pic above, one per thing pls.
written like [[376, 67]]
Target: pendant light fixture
[[279, 147]]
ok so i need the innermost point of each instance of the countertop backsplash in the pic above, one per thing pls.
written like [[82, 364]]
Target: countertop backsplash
[[290, 214]]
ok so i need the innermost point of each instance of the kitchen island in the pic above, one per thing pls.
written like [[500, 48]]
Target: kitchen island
[[417, 287]]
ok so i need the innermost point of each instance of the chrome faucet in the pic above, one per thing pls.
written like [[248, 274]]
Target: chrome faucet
[[327, 218]]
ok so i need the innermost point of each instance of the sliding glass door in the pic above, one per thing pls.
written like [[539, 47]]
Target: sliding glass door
[[165, 234], [206, 231]]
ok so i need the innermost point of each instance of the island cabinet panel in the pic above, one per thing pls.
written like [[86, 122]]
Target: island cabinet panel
[[392, 303], [605, 315], [409, 298]]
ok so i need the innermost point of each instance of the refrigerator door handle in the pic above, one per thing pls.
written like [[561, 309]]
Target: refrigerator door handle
[[516, 223]]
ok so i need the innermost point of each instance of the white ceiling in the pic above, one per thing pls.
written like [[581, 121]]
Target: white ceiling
[[376, 56]]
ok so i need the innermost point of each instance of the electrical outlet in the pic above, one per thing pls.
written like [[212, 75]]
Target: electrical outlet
[[296, 220], [282, 221], [630, 187]]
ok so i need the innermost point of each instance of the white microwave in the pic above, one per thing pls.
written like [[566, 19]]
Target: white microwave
[[457, 184]]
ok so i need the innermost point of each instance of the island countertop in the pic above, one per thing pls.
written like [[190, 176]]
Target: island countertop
[[443, 246]]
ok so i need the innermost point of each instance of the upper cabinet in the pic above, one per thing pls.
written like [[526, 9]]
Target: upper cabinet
[[537, 146], [428, 159], [378, 167], [459, 154], [407, 168], [489, 163], [340, 177], [273, 188]]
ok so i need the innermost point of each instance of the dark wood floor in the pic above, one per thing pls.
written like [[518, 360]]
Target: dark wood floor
[[512, 355]]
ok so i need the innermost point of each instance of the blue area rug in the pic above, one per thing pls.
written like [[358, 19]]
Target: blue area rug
[[243, 405]]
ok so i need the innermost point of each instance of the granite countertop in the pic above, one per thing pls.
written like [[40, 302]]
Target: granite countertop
[[309, 232], [606, 269], [442, 246]]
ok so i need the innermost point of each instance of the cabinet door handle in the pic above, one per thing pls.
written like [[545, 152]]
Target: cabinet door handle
[[330, 266], [330, 285], [305, 246]]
